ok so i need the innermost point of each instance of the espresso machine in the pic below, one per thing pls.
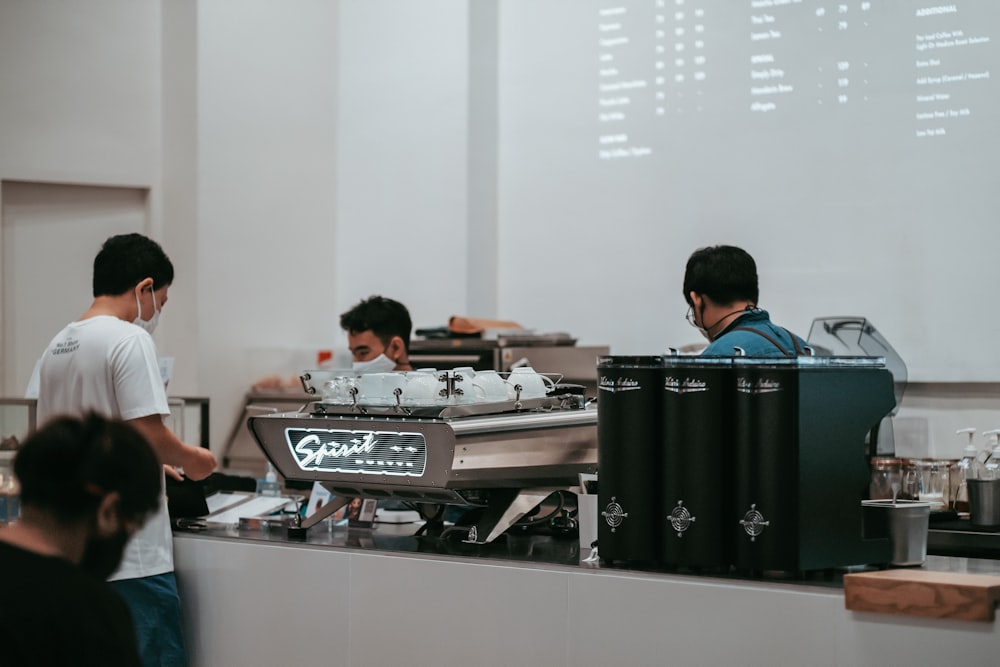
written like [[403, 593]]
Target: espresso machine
[[504, 457], [754, 463]]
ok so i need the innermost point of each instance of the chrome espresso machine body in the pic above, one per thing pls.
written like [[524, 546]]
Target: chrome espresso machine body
[[506, 457]]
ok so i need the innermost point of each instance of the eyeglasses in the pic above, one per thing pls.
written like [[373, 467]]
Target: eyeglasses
[[690, 316]]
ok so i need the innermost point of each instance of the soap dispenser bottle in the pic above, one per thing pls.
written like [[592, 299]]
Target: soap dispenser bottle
[[268, 485], [991, 466], [964, 469]]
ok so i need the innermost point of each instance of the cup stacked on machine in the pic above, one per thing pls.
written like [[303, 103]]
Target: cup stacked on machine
[[426, 387]]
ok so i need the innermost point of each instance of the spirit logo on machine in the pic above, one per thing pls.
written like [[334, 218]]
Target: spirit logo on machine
[[357, 451]]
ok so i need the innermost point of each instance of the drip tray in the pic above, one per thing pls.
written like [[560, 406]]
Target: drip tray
[[960, 538]]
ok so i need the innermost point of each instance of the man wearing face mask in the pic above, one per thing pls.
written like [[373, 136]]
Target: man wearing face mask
[[378, 335], [86, 486], [720, 287], [106, 362]]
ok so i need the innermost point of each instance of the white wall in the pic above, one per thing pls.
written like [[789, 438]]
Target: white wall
[[80, 91], [177, 197], [331, 166], [402, 156], [82, 101], [266, 107], [299, 160]]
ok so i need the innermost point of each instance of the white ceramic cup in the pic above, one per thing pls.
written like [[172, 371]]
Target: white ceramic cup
[[491, 388], [462, 379], [338, 390], [533, 385], [379, 388], [422, 388]]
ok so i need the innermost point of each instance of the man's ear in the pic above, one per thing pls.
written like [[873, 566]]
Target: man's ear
[[143, 284], [695, 299], [394, 350], [108, 520]]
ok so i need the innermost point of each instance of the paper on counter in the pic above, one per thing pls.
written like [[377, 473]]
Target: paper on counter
[[256, 506], [319, 495], [222, 499]]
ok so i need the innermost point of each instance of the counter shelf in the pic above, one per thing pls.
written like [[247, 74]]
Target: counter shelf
[[527, 548], [372, 597]]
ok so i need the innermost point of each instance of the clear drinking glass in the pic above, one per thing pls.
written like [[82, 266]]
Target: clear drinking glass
[[886, 476], [933, 483]]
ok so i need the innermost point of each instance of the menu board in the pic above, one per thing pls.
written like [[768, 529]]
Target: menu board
[[850, 146], [662, 57]]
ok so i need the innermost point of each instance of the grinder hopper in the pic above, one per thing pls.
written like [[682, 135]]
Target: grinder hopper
[[856, 336]]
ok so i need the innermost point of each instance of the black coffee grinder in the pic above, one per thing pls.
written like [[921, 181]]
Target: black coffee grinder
[[801, 465], [631, 458], [758, 464]]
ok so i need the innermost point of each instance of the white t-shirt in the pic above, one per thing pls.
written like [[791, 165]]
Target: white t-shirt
[[108, 365]]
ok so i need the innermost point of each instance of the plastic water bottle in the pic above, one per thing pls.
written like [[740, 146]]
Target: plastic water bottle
[[268, 484], [10, 505]]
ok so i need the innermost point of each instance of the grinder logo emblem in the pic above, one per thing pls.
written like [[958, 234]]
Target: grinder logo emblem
[[761, 386], [685, 386], [753, 523], [613, 514], [615, 385], [681, 519]]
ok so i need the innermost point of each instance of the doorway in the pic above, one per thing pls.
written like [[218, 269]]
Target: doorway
[[50, 235]]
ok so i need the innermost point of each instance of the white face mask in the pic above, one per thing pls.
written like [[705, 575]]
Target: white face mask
[[693, 322], [150, 324], [380, 364], [705, 332]]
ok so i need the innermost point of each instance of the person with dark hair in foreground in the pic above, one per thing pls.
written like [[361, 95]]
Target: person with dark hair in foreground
[[106, 362], [721, 290], [87, 485], [378, 334]]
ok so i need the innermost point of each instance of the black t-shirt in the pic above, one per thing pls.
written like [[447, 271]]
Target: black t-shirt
[[54, 613]]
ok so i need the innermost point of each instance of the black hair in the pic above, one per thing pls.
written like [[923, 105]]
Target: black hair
[[383, 317], [127, 259], [69, 464], [724, 273]]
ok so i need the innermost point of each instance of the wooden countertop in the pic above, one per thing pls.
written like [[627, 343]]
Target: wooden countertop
[[917, 592]]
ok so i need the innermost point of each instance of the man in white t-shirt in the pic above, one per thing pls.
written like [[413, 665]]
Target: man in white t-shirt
[[106, 362]]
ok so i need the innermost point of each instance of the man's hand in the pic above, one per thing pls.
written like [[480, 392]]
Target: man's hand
[[197, 462], [202, 463], [171, 471]]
